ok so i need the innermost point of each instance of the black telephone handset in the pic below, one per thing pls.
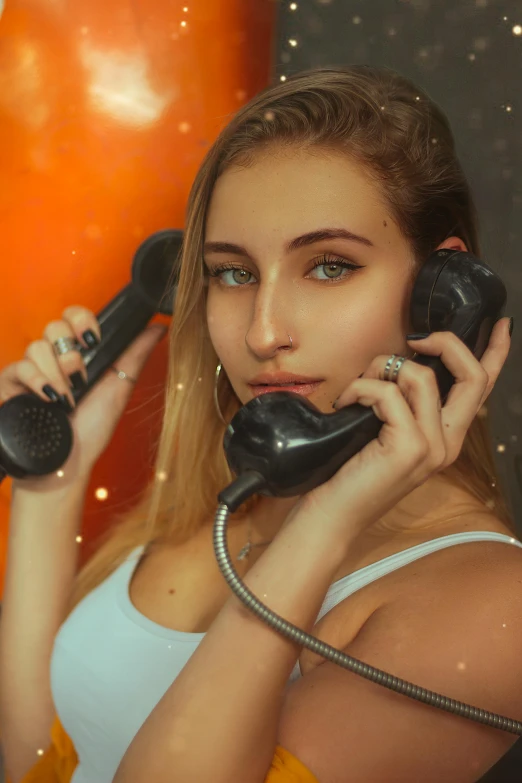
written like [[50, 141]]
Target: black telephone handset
[[36, 436], [289, 447]]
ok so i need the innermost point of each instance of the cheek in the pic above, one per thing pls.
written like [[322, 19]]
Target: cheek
[[369, 325], [224, 332]]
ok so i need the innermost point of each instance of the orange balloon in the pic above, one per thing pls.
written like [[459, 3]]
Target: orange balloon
[[106, 111]]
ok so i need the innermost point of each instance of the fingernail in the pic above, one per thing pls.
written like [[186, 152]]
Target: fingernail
[[64, 400], [420, 336], [51, 393], [90, 338], [511, 325], [334, 403], [77, 381]]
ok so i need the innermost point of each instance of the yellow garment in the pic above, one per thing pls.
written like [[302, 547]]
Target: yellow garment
[[57, 763], [60, 760], [286, 768]]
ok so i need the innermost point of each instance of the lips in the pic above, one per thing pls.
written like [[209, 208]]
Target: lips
[[296, 383]]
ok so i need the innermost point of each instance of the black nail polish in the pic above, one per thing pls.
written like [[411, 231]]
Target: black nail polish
[[64, 401], [77, 381], [511, 325], [90, 338], [420, 336], [51, 393]]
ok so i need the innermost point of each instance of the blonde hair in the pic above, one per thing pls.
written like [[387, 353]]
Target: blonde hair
[[404, 142]]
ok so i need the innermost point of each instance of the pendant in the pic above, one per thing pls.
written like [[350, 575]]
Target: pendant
[[245, 551]]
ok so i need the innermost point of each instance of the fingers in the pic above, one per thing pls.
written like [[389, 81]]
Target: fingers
[[474, 380], [67, 370], [84, 324], [401, 432], [418, 386], [41, 368], [443, 430], [496, 354]]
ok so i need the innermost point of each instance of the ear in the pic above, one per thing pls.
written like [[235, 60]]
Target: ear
[[453, 243]]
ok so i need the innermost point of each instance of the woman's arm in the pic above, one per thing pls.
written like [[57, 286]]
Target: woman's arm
[[42, 561], [218, 721]]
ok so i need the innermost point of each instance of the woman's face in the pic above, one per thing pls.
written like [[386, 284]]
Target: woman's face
[[339, 318]]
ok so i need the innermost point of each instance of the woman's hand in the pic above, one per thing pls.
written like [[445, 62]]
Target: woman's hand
[[418, 438], [95, 418]]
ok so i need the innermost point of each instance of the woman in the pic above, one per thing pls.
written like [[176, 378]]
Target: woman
[[306, 225]]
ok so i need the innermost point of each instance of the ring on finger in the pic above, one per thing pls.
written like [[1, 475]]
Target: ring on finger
[[65, 344], [399, 361], [123, 375]]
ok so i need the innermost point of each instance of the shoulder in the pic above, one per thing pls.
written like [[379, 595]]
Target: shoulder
[[476, 579], [453, 628]]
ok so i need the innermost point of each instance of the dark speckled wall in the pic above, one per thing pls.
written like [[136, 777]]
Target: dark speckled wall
[[467, 54]]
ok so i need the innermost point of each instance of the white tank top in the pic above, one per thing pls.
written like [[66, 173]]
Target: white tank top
[[111, 665]]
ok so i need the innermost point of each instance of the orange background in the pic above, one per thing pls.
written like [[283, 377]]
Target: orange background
[[106, 111]]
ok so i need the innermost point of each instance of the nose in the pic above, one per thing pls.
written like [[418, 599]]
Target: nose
[[272, 326]]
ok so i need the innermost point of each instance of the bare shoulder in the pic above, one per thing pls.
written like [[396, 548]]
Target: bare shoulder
[[449, 623], [476, 561], [484, 573]]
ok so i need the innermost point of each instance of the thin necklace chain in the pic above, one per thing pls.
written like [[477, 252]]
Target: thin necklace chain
[[245, 551]]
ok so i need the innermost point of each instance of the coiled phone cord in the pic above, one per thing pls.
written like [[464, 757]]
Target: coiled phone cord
[[336, 656]]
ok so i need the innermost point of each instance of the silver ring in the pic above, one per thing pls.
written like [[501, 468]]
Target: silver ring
[[399, 361], [65, 344], [123, 375]]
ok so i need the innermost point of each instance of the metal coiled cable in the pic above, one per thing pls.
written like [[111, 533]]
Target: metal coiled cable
[[336, 656]]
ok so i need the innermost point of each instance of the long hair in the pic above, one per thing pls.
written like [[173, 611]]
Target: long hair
[[404, 142]]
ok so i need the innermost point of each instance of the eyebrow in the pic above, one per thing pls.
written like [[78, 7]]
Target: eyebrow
[[295, 244]]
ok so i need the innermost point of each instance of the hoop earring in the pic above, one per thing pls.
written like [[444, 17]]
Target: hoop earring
[[216, 402]]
